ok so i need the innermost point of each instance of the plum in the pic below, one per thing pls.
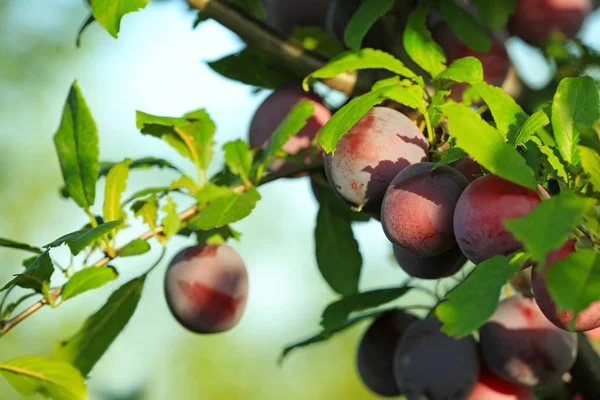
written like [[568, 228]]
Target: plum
[[480, 213], [586, 319], [372, 152], [285, 15], [271, 113], [418, 208], [520, 345], [535, 20], [206, 287], [428, 364], [436, 267], [491, 387], [495, 62], [468, 167], [375, 356]]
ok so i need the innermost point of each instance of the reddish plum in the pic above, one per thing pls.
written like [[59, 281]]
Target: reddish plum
[[440, 266], [375, 356], [491, 387], [480, 214], [520, 345], [206, 287], [285, 15], [371, 154], [418, 208]]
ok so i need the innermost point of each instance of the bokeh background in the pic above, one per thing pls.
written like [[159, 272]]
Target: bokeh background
[[158, 66]]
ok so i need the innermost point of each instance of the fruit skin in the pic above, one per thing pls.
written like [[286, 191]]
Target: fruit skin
[[285, 15], [418, 208], [443, 265], [468, 167], [375, 355], [271, 113], [491, 387], [372, 153], [206, 288], [495, 62], [480, 212], [535, 20], [520, 345], [586, 320], [428, 364]]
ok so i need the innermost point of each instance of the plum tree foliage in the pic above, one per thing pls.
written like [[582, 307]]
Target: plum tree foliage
[[471, 181]]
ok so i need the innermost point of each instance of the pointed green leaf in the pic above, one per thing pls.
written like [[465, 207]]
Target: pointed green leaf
[[495, 13], [217, 235], [239, 157], [419, 44], [134, 248], [110, 12], [140, 163], [467, 69], [317, 40], [171, 222], [363, 19], [533, 124], [76, 142], [224, 206], [79, 240], [410, 96], [464, 26], [147, 209], [19, 246], [35, 275], [89, 20], [508, 115], [116, 181], [88, 279], [182, 182], [590, 161]]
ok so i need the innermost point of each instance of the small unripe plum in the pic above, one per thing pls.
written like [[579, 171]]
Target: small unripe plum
[[375, 356], [271, 113], [428, 364], [468, 167], [520, 345], [443, 265], [495, 62], [418, 208], [285, 15], [491, 387], [372, 153], [480, 214], [206, 287], [535, 20], [586, 319]]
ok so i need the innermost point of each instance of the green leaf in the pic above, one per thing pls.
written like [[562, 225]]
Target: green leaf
[[487, 146], [19, 246], [576, 102], [217, 235], [552, 158], [291, 124], [508, 115], [336, 249], [55, 379], [359, 60], [363, 19], [574, 281], [239, 157], [110, 12], [266, 72], [465, 26], [86, 347], [171, 221], [89, 20], [140, 163], [184, 182], [79, 240], [315, 39], [223, 206], [547, 226], [36, 274], [337, 312], [419, 44], [410, 96], [134, 248], [590, 161], [158, 192], [462, 315], [116, 181], [76, 142], [495, 13], [467, 69], [453, 154], [147, 209], [533, 124], [88, 279]]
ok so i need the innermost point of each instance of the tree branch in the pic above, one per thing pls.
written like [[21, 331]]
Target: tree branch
[[186, 215]]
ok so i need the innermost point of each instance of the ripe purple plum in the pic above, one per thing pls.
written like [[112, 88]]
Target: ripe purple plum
[[375, 356], [586, 319], [428, 364], [535, 20], [520, 345], [495, 62], [418, 208], [285, 15], [206, 287], [443, 265], [372, 153], [271, 113], [491, 387], [480, 214]]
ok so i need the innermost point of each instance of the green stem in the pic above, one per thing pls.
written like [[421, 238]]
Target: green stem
[[430, 133]]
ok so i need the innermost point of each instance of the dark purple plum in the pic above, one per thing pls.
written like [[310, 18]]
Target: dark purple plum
[[285, 15], [206, 287], [436, 267], [522, 346], [375, 356], [428, 364], [371, 154], [418, 208]]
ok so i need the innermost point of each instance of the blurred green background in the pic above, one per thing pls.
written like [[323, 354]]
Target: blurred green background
[[158, 66]]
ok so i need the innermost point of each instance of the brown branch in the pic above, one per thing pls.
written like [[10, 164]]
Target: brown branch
[[184, 216]]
